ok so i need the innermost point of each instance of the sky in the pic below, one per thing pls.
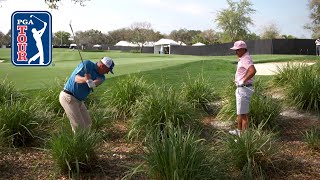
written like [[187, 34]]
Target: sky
[[164, 15]]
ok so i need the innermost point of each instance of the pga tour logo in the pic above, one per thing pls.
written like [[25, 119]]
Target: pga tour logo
[[31, 35]]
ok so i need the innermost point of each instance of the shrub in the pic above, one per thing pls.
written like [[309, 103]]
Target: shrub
[[198, 92], [312, 137], [252, 153], [74, 152], [125, 95], [158, 109]]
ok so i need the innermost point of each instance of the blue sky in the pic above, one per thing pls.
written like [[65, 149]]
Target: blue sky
[[164, 15]]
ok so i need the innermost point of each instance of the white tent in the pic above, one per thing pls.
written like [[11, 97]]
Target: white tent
[[97, 46], [198, 44], [126, 43], [72, 46], [163, 46]]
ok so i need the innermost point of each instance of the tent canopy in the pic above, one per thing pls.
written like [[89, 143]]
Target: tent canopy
[[198, 44], [97, 45], [126, 43], [166, 42]]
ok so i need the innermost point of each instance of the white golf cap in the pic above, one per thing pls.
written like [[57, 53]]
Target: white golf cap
[[108, 62]]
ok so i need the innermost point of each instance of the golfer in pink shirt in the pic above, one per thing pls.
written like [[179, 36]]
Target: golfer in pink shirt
[[244, 80]]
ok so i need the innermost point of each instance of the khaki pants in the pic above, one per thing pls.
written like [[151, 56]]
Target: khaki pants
[[76, 111]]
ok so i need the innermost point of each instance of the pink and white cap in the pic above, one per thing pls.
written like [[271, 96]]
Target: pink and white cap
[[239, 45]]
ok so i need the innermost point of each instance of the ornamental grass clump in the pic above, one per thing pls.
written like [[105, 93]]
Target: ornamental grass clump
[[286, 73], [303, 91], [49, 96], [199, 92], [312, 137], [156, 110], [174, 153], [8, 92], [253, 152], [20, 121], [74, 152], [125, 95]]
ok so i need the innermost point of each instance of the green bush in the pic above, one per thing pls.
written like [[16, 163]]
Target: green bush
[[158, 109], [125, 94], [312, 137], [74, 152], [198, 92], [252, 153]]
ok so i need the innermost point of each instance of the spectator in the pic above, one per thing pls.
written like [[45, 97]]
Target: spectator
[[244, 81]]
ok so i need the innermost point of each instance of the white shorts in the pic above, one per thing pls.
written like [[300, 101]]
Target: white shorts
[[243, 96]]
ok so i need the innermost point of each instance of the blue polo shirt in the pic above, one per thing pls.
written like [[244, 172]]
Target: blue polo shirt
[[81, 90]]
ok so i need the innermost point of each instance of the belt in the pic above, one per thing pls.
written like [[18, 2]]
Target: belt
[[245, 85], [68, 92]]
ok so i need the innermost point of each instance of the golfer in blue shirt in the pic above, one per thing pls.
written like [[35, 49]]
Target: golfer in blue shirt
[[87, 76]]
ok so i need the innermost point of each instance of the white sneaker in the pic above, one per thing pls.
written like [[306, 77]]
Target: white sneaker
[[235, 132]]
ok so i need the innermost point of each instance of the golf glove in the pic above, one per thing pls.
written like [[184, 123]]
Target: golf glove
[[90, 83]]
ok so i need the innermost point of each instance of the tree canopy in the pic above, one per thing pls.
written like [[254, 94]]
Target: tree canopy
[[314, 26], [53, 4], [235, 19]]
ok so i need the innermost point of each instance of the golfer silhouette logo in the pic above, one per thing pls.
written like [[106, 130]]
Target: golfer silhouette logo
[[37, 37], [31, 38]]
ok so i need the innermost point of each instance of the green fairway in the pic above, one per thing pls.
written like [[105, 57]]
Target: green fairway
[[159, 69]]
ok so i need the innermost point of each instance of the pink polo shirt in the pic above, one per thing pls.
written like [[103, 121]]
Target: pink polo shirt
[[243, 65]]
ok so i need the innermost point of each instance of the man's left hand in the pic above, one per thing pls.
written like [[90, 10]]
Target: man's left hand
[[90, 83], [240, 83]]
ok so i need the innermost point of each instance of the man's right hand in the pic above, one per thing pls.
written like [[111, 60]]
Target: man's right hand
[[87, 76]]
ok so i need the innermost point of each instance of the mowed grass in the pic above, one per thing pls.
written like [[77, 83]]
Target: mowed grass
[[159, 69]]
